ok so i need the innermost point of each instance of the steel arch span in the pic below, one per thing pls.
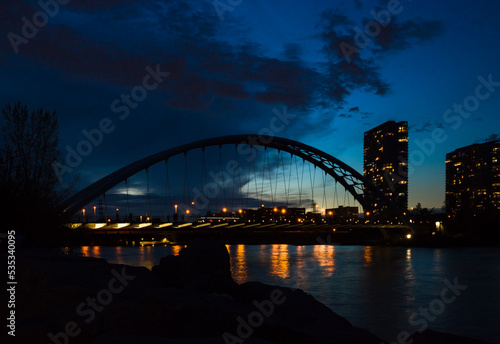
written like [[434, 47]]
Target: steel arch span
[[348, 177]]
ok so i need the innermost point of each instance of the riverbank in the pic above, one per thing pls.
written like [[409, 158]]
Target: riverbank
[[190, 298]]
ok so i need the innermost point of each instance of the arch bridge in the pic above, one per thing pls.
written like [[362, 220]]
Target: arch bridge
[[349, 178]]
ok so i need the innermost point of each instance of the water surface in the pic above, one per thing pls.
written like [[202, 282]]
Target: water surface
[[377, 288]]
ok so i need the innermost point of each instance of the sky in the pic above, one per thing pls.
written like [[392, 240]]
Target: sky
[[152, 75]]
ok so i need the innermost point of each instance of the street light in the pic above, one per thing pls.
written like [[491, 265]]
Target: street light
[[175, 206], [83, 211], [224, 210], [95, 218]]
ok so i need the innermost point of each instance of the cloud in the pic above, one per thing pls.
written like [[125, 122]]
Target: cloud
[[220, 78], [404, 35], [427, 127], [356, 110]]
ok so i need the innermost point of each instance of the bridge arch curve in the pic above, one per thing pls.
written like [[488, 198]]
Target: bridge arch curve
[[348, 177]]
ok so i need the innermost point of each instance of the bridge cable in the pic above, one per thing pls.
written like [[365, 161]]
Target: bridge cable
[[336, 195], [275, 202], [167, 193], [301, 183], [218, 177], [312, 180], [148, 196], [188, 203], [284, 178], [289, 179], [128, 209], [105, 207], [203, 170], [345, 195], [325, 203], [223, 176], [255, 182], [239, 175], [263, 176], [232, 193], [248, 183]]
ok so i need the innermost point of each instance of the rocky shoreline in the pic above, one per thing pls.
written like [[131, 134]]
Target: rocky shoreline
[[189, 298]]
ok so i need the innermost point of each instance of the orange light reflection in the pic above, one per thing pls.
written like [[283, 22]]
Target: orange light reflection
[[368, 255], [325, 256], [280, 261]]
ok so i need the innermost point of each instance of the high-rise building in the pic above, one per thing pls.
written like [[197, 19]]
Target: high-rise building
[[473, 179], [385, 164]]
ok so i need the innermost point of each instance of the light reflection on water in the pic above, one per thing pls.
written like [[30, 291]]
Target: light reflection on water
[[377, 288]]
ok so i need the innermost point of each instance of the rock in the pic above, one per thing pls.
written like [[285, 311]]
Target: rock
[[299, 317], [434, 337], [202, 266], [117, 338]]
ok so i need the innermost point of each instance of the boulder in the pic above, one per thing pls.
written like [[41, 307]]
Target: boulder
[[204, 265], [433, 337]]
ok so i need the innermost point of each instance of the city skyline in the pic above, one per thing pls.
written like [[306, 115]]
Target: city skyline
[[165, 74]]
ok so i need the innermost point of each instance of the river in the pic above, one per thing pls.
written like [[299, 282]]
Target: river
[[386, 290]]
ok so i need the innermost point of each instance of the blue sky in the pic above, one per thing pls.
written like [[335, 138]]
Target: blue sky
[[226, 74]]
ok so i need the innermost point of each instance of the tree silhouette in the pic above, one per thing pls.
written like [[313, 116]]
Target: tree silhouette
[[29, 188]]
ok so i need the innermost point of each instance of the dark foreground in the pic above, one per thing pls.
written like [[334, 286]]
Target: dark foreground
[[190, 298]]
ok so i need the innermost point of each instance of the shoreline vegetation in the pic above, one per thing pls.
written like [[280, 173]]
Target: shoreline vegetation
[[188, 298]]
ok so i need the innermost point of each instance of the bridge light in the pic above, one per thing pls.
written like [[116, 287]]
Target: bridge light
[[224, 210], [187, 211]]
